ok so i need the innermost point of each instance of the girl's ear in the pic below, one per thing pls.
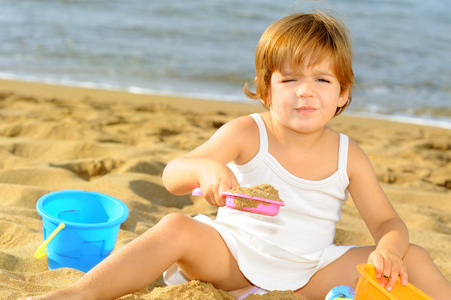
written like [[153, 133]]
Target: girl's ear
[[266, 102], [343, 98]]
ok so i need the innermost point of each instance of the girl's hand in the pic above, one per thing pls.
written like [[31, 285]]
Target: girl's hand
[[388, 267], [215, 178]]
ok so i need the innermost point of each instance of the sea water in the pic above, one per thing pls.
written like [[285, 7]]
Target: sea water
[[205, 48]]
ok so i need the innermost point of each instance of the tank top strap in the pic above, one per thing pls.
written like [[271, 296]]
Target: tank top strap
[[262, 132], [343, 154]]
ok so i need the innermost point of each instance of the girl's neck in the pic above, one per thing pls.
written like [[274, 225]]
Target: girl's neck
[[311, 156], [291, 138]]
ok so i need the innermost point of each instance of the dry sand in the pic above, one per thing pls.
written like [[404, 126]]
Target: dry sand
[[55, 138]]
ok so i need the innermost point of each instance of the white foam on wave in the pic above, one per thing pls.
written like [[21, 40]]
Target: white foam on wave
[[403, 119]]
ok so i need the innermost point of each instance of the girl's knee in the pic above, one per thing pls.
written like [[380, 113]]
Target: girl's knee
[[176, 224], [175, 229], [416, 252], [415, 249], [175, 219]]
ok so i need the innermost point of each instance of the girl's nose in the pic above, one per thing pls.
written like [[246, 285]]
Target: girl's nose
[[304, 90]]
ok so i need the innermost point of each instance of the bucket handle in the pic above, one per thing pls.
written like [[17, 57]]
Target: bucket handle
[[42, 250]]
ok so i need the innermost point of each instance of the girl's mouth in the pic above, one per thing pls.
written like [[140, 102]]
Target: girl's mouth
[[306, 109]]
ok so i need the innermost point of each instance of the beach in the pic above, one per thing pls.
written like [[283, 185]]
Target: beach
[[59, 137]]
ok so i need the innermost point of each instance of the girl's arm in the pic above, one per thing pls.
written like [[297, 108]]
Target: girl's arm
[[387, 228], [206, 167]]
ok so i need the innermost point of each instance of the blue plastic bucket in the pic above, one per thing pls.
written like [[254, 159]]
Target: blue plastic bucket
[[80, 228]]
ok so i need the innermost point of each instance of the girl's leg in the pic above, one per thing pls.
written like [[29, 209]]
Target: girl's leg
[[196, 247], [421, 270], [424, 274], [341, 272]]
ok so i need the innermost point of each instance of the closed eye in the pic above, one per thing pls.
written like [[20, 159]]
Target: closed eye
[[323, 80]]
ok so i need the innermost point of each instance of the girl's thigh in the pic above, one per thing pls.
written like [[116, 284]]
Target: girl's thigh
[[206, 256], [343, 271]]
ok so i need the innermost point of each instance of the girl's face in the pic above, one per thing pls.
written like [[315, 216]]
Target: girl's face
[[305, 102]]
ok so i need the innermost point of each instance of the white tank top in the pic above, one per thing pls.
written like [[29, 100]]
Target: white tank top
[[284, 251]]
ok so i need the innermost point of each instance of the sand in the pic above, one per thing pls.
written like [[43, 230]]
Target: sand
[[55, 138]]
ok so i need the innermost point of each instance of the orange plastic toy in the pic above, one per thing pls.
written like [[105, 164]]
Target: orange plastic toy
[[368, 288]]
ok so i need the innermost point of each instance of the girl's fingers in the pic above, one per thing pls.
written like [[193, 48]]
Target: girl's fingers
[[216, 200], [214, 197], [404, 277], [386, 279], [388, 270], [220, 201], [391, 280], [212, 189], [378, 263]]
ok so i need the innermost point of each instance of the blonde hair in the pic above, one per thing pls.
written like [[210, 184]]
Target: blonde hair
[[304, 39]]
